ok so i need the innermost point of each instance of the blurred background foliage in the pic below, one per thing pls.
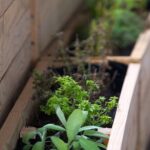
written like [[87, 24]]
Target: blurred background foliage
[[114, 26]]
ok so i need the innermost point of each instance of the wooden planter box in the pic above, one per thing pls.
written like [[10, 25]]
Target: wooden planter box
[[131, 125]]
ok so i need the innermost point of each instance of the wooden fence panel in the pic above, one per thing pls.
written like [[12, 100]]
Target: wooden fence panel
[[16, 28], [144, 91], [131, 126], [52, 16], [13, 79], [4, 5], [125, 127]]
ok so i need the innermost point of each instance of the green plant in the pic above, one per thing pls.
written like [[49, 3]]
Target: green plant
[[67, 95], [76, 136], [43, 84], [99, 8], [70, 95], [130, 4], [125, 29]]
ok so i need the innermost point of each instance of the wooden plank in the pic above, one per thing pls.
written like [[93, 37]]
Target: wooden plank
[[1, 33], [141, 45], [34, 31], [16, 30], [52, 17], [144, 106], [137, 54], [13, 79], [4, 5], [125, 128], [131, 126]]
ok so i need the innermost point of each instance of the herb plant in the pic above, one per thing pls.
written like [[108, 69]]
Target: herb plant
[[70, 95], [76, 136], [131, 4], [125, 29]]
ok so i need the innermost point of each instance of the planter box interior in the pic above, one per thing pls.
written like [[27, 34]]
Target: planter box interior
[[131, 124], [132, 117]]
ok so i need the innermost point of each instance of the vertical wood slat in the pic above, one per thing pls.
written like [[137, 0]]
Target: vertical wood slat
[[48, 18], [125, 127], [4, 5], [14, 51], [14, 79], [15, 29], [131, 126], [34, 31]]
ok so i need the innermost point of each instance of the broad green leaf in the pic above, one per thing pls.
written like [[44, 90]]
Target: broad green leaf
[[61, 116], [76, 145], [74, 123], [51, 127], [28, 136], [87, 144], [38, 146], [88, 128], [27, 147], [84, 115], [101, 145], [60, 144], [95, 134]]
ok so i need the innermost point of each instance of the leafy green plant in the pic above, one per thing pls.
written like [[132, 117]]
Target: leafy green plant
[[119, 25], [125, 29], [76, 136], [70, 95], [130, 4], [99, 8], [43, 84]]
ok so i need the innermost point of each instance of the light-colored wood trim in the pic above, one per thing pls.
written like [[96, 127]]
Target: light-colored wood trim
[[119, 138], [141, 46]]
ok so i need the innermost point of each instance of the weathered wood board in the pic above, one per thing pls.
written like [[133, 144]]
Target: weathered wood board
[[125, 127], [15, 28], [15, 50], [13, 79], [4, 5], [51, 16], [131, 126]]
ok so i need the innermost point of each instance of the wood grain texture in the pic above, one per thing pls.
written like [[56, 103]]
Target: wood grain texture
[[16, 28], [144, 105], [53, 15], [13, 78], [4, 5], [131, 126], [125, 127], [141, 45]]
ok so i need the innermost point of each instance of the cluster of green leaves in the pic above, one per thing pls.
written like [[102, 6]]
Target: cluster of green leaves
[[131, 4], [77, 136], [119, 24], [70, 95], [43, 84], [126, 28], [98, 8]]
